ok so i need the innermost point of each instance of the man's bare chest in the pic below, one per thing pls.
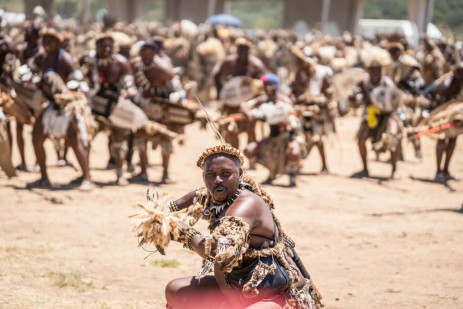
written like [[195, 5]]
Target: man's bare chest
[[110, 73]]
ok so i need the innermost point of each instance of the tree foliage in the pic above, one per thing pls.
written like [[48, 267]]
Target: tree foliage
[[269, 13], [449, 13], [258, 13], [390, 9]]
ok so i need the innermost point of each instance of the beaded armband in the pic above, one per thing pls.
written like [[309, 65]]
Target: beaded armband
[[172, 206], [189, 237]]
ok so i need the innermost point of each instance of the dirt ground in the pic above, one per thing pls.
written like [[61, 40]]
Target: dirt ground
[[368, 243]]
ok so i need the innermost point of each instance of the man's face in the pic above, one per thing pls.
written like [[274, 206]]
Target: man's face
[[50, 44], [270, 88], [243, 52], [3, 46], [458, 73], [221, 176], [395, 53], [105, 48], [375, 74], [31, 36], [147, 55], [66, 45]]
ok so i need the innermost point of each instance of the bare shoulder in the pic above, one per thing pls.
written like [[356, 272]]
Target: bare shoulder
[[68, 58], [248, 206], [136, 61], [164, 68], [68, 61], [229, 58], [285, 99], [228, 61], [256, 61], [121, 59]]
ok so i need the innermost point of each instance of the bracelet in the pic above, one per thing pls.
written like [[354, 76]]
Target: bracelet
[[172, 205], [189, 237]]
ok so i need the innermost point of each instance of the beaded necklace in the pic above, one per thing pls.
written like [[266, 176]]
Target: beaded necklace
[[148, 67], [105, 61], [141, 78], [214, 210]]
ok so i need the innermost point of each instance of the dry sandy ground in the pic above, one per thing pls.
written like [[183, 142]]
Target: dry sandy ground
[[368, 243]]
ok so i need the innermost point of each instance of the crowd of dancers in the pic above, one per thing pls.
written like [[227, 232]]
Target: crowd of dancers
[[142, 84]]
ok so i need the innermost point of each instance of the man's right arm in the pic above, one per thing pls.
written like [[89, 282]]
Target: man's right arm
[[186, 200], [222, 72]]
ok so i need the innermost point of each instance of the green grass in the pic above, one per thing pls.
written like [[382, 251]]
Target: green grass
[[20, 251], [73, 279], [168, 263]]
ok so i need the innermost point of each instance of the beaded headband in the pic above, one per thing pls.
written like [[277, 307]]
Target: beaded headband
[[103, 36], [51, 32], [393, 45], [220, 149], [243, 42]]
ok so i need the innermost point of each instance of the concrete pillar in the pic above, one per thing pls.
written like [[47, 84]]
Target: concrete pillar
[[320, 13], [420, 12], [211, 7], [125, 10], [172, 12], [326, 4], [219, 6], [305, 10], [85, 11], [357, 14], [197, 11], [29, 6], [346, 13]]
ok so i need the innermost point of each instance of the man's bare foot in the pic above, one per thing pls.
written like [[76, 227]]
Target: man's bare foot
[[142, 177], [395, 175], [181, 139], [449, 176], [121, 181], [439, 177], [165, 180], [292, 181], [361, 174], [110, 166], [61, 163], [22, 167], [41, 183], [131, 168], [86, 186]]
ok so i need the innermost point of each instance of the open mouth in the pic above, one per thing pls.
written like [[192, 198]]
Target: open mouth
[[219, 189]]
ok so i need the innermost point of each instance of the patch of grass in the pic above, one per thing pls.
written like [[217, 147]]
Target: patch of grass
[[102, 305], [11, 249], [22, 251], [72, 279], [168, 263]]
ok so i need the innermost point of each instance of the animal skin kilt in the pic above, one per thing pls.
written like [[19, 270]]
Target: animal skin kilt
[[56, 121], [272, 154], [385, 135], [320, 124], [157, 112], [238, 126], [5, 154]]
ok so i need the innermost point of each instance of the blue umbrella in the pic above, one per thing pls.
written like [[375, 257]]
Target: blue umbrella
[[224, 19]]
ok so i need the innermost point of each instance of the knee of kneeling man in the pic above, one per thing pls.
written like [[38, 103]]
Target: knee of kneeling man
[[172, 288]]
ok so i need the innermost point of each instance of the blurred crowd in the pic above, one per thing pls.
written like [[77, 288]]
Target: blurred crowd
[[143, 83]]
